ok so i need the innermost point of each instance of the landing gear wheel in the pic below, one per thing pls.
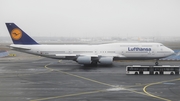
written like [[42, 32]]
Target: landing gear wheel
[[94, 63]]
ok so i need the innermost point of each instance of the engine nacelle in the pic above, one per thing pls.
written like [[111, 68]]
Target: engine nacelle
[[84, 60], [106, 60]]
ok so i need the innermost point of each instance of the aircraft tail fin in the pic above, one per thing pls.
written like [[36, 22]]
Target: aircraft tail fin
[[18, 36]]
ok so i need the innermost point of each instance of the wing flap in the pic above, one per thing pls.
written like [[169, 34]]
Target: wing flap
[[121, 56], [21, 48], [91, 55], [61, 55]]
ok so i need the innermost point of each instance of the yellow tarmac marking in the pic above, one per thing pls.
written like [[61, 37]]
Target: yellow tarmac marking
[[98, 91], [156, 83], [83, 93], [69, 95], [79, 76]]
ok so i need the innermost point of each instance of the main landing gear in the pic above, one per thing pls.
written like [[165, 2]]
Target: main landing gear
[[156, 63], [94, 63]]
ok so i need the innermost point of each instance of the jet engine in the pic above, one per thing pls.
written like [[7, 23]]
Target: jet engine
[[84, 60], [106, 60]]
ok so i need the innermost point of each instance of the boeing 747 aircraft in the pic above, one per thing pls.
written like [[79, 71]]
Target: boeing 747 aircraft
[[88, 54]]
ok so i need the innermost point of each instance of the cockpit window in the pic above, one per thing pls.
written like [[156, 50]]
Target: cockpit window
[[161, 45]]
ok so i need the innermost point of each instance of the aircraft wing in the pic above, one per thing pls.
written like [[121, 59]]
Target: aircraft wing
[[74, 55], [89, 55], [121, 56], [112, 55], [65, 55]]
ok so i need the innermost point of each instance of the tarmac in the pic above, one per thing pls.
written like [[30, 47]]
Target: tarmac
[[32, 78]]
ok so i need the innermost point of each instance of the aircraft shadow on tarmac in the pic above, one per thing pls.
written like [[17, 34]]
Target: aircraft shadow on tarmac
[[90, 67]]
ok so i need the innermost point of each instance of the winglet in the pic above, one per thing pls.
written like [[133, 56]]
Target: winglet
[[18, 36]]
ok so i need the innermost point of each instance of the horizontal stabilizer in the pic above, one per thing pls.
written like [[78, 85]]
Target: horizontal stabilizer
[[22, 48]]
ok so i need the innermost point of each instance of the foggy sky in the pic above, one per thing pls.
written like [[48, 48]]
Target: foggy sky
[[87, 18]]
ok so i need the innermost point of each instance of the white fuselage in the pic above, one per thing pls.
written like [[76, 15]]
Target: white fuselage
[[87, 54], [115, 50]]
